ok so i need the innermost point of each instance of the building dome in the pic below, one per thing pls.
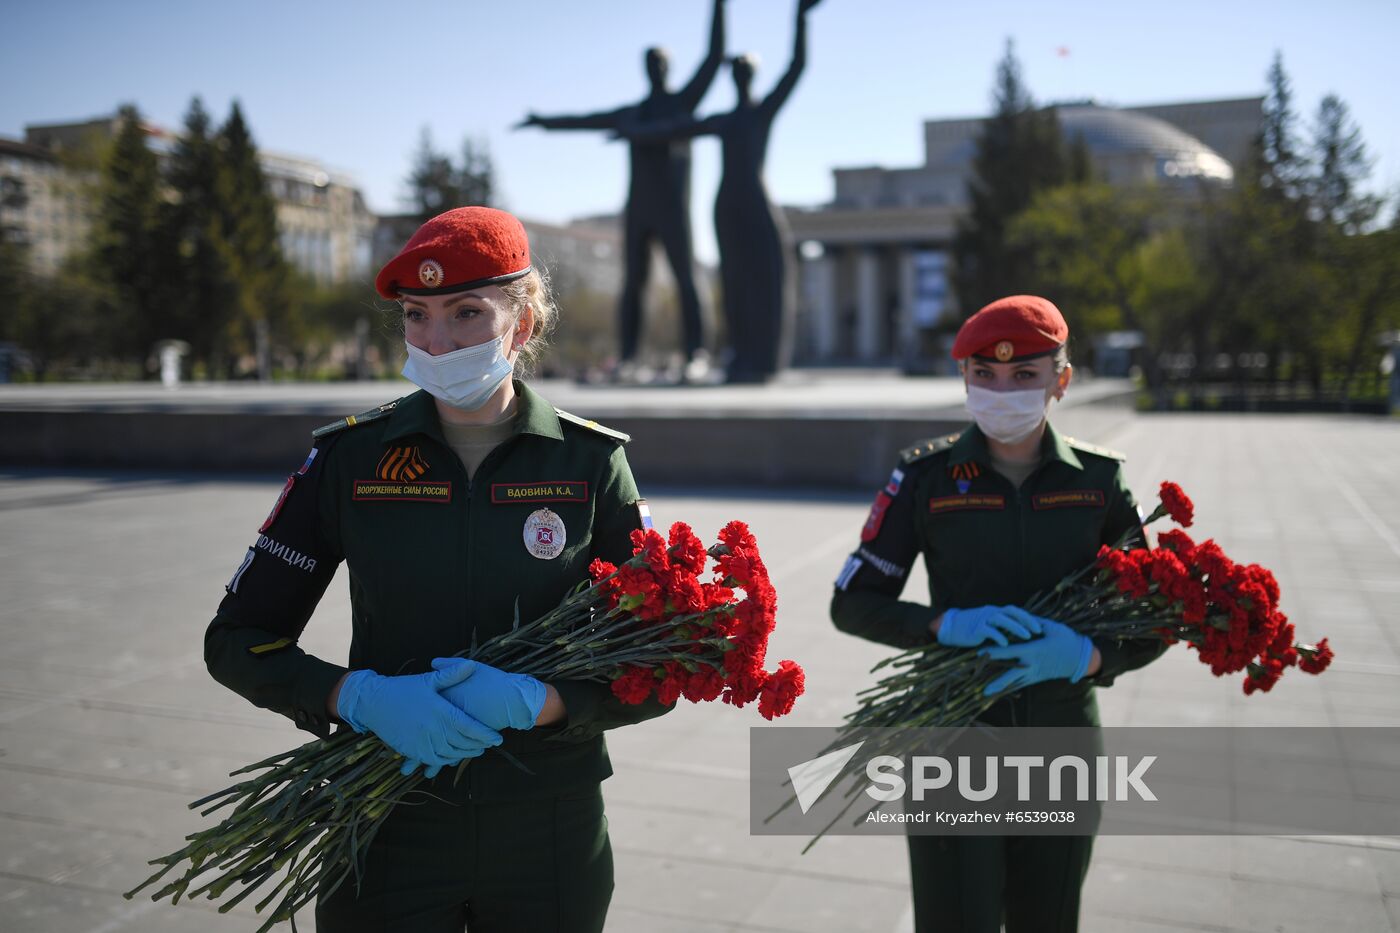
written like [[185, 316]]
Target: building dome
[[1136, 147]]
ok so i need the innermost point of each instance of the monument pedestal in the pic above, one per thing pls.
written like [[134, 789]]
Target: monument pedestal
[[807, 428]]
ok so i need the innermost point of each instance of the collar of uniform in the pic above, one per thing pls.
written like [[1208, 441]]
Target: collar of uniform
[[536, 415], [972, 446], [417, 414], [1054, 447]]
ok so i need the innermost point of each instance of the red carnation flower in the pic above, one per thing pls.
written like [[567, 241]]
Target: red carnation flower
[[1178, 506], [704, 685], [1317, 658], [670, 688], [1174, 539], [781, 690], [652, 546], [687, 551], [634, 686]]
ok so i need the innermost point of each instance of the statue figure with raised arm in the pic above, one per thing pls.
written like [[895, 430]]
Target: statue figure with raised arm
[[756, 270], [658, 197]]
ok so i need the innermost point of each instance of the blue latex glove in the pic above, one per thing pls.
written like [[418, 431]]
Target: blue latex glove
[[1059, 653], [500, 699], [967, 628], [413, 719]]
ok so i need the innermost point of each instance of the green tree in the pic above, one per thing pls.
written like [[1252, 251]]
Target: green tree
[[266, 314], [435, 184], [1087, 244], [1341, 167], [432, 181], [476, 176], [1360, 271], [207, 300], [130, 260], [1262, 254], [1020, 152], [1278, 163]]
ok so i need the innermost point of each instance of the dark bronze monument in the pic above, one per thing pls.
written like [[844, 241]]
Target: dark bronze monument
[[754, 246], [658, 198]]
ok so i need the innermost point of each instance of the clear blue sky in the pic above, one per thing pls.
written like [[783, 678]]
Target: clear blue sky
[[352, 83]]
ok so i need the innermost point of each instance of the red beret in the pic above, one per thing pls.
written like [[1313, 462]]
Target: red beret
[[1012, 329], [462, 249]]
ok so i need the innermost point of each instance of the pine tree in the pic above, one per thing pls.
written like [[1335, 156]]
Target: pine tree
[[1342, 165], [249, 226], [130, 254], [1279, 164], [476, 177], [433, 181], [207, 299], [1020, 151], [436, 185]]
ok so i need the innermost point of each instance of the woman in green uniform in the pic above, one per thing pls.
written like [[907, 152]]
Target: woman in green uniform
[[453, 508], [999, 512]]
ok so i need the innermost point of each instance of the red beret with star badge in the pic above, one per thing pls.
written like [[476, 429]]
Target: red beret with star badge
[[1012, 329], [462, 249]]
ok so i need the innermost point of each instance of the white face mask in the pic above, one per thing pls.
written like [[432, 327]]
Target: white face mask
[[464, 378], [1007, 416]]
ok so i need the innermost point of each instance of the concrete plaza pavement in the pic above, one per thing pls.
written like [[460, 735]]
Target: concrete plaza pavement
[[109, 724]]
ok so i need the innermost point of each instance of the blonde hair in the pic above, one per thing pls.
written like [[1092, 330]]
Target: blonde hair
[[533, 289]]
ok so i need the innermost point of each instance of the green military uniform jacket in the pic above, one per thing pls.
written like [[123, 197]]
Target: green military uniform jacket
[[434, 561], [985, 542]]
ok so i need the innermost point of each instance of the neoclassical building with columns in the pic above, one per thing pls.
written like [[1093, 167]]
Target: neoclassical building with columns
[[875, 263]]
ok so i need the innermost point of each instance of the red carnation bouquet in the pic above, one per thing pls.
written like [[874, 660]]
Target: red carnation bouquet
[[1179, 591], [655, 626]]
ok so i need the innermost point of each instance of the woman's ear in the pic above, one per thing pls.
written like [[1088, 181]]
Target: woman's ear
[[1062, 382], [524, 328]]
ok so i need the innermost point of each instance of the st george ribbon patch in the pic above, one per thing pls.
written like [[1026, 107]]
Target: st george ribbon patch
[[551, 491], [401, 464], [373, 490], [1068, 499], [966, 503]]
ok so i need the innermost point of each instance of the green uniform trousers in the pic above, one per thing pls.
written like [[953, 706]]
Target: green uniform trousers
[[971, 884], [542, 865]]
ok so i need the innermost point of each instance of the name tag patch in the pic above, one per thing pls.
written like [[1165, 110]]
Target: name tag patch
[[373, 490], [1068, 499], [552, 491], [966, 503]]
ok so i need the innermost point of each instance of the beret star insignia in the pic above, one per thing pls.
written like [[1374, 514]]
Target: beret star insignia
[[430, 273]]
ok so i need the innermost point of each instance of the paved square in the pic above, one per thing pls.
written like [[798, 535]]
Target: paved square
[[109, 724]]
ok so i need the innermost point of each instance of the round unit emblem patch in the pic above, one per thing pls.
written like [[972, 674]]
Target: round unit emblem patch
[[544, 534], [430, 273], [1005, 351]]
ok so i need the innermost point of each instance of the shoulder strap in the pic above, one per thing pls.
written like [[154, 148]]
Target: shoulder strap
[[593, 426], [927, 448], [1095, 449], [350, 421]]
